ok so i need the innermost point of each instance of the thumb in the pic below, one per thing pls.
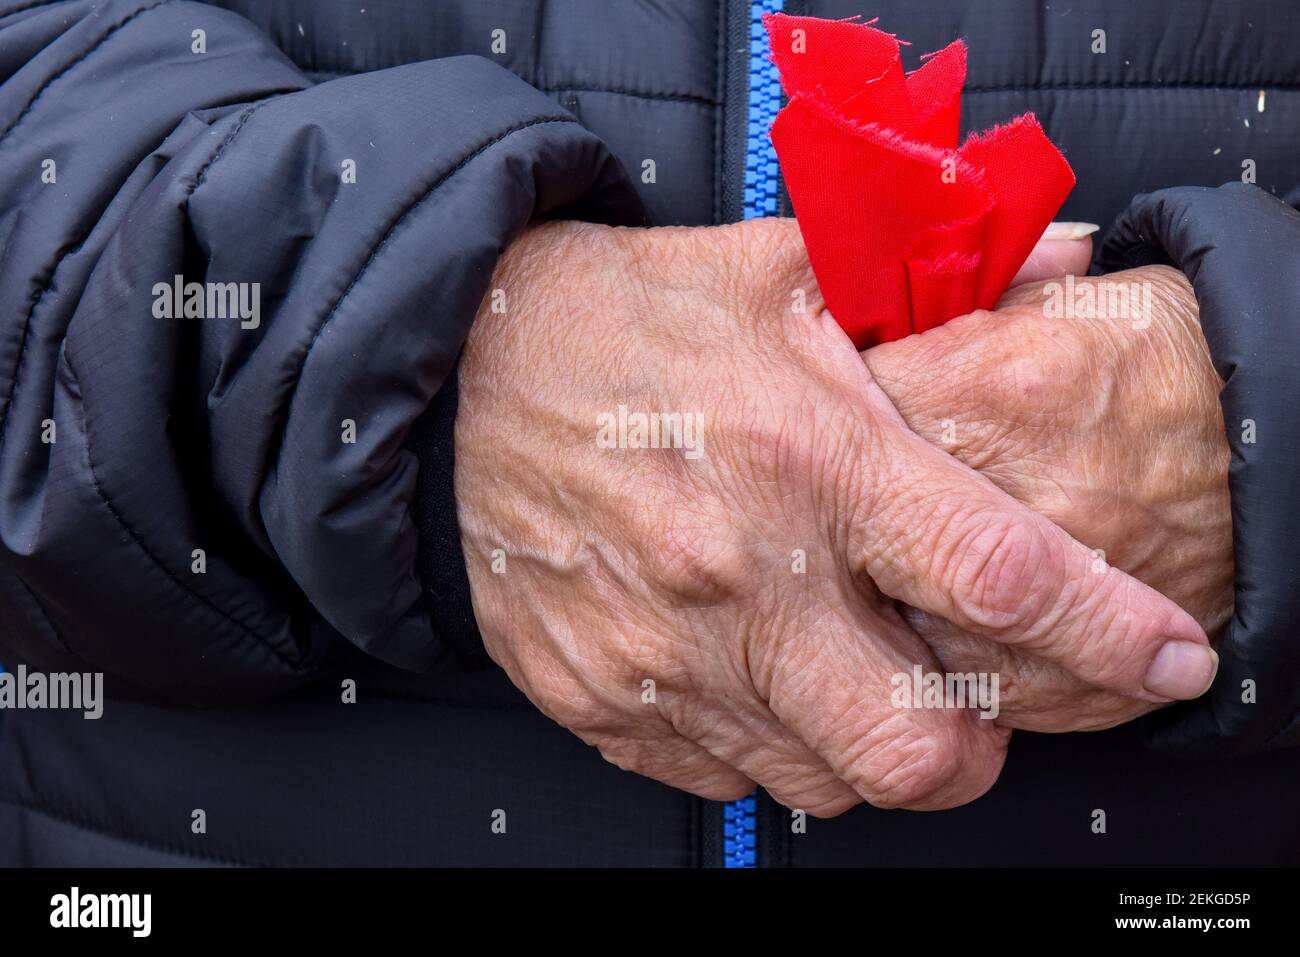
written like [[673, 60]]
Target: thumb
[[945, 540], [1065, 249]]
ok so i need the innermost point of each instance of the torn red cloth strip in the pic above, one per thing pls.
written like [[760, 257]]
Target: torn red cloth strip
[[904, 228]]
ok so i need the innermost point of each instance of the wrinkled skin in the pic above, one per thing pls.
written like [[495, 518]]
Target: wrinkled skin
[[733, 618], [1112, 431]]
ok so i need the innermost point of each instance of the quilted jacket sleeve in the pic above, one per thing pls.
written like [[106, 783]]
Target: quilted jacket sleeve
[[225, 297], [1240, 248]]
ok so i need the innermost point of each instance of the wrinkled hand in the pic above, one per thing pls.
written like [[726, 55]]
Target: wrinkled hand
[[724, 612], [1109, 426]]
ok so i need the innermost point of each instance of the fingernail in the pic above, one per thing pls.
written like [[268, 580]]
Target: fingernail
[[1070, 230], [1182, 670]]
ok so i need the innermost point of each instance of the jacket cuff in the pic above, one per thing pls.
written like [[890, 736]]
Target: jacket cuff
[[440, 561], [1240, 249], [465, 156]]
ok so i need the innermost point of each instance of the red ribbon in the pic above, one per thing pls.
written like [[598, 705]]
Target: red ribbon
[[904, 229]]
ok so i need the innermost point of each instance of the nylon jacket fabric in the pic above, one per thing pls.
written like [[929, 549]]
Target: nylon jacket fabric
[[327, 561]]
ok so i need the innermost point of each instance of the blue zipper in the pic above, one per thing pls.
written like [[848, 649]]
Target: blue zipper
[[740, 832], [762, 174], [762, 184]]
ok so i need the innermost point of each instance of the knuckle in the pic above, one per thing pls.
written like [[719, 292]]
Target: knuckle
[[807, 785], [1001, 571], [691, 714], [908, 771], [1023, 376], [624, 753], [652, 760], [643, 756], [826, 801]]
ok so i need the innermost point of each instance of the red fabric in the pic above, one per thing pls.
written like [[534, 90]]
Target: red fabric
[[904, 229]]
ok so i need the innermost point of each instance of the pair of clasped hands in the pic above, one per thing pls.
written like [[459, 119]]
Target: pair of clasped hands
[[1015, 494]]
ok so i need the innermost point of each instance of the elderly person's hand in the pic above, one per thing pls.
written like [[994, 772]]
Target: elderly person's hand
[[689, 514], [1102, 417]]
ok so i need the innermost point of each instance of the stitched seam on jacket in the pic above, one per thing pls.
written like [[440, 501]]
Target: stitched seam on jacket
[[52, 80], [154, 559], [86, 824], [397, 221], [669, 95], [24, 334], [644, 95], [201, 176], [293, 664], [389, 230]]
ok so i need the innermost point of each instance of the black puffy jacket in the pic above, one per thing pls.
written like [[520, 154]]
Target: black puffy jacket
[[177, 510]]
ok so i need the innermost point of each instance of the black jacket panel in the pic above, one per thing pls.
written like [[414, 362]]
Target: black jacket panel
[[643, 76], [326, 560]]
